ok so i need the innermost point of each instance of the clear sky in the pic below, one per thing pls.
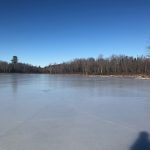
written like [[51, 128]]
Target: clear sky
[[40, 32]]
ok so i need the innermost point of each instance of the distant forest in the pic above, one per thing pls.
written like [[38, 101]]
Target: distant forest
[[114, 65], [16, 67]]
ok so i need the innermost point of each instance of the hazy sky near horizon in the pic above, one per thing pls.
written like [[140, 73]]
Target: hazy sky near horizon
[[48, 31]]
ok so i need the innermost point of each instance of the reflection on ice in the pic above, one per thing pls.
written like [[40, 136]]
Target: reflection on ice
[[72, 112]]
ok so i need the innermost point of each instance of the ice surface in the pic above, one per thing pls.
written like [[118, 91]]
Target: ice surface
[[62, 112]]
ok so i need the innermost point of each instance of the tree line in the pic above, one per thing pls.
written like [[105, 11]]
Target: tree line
[[114, 65], [6, 67]]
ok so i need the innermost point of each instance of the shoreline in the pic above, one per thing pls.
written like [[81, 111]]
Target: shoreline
[[140, 76], [143, 77]]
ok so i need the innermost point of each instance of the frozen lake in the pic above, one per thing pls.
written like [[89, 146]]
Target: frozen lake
[[62, 112]]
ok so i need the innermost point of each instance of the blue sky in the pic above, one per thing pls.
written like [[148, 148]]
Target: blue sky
[[41, 32]]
